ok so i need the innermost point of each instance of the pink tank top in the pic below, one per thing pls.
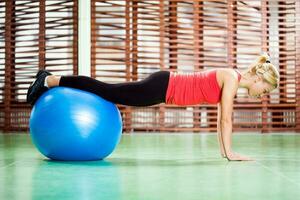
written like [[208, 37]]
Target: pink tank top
[[194, 88]]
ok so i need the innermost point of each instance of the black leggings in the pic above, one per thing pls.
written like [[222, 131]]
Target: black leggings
[[149, 91]]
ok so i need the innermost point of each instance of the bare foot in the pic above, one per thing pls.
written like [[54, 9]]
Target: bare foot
[[53, 81]]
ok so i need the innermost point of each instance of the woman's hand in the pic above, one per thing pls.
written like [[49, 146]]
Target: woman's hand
[[237, 157]]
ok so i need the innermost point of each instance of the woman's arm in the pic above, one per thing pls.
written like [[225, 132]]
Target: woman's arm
[[230, 87], [222, 151]]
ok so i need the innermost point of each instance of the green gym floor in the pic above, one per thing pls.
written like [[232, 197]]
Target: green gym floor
[[157, 166]]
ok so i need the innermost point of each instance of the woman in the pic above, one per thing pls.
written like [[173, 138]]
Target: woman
[[217, 86]]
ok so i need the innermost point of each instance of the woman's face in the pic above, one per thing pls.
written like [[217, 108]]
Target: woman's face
[[259, 88]]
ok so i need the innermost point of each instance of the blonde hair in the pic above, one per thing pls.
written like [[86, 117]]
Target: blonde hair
[[263, 67]]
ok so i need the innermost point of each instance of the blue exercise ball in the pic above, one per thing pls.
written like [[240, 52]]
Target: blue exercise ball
[[74, 125]]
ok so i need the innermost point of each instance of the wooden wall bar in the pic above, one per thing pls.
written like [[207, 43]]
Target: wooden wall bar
[[33, 35], [297, 65], [265, 48], [10, 44], [195, 35], [133, 38], [3, 61]]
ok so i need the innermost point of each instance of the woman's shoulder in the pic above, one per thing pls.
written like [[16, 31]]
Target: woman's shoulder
[[227, 73]]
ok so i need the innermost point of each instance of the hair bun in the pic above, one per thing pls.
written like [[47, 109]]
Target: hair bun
[[263, 67], [263, 58]]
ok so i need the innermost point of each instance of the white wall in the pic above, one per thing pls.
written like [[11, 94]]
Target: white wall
[[84, 37]]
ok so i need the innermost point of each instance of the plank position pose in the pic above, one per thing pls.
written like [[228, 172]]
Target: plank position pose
[[217, 86]]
